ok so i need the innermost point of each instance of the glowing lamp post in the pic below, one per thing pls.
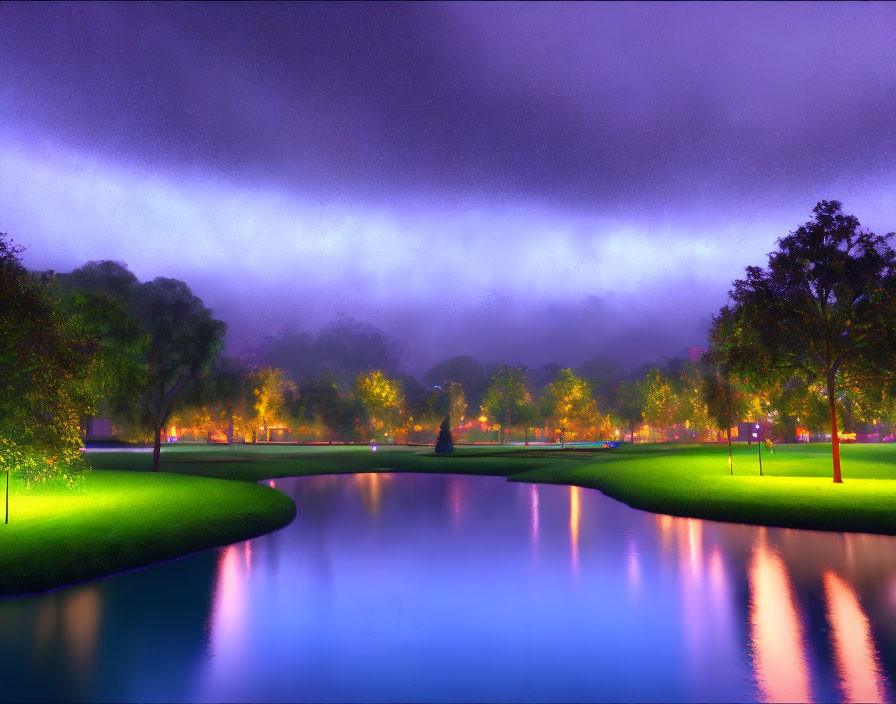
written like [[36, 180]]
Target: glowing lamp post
[[758, 436]]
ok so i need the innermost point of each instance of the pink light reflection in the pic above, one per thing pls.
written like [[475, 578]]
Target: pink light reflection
[[533, 511], [229, 613], [777, 642], [855, 657]]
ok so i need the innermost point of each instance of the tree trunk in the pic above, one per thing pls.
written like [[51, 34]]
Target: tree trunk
[[631, 427], [506, 425], [835, 440], [157, 450], [730, 463]]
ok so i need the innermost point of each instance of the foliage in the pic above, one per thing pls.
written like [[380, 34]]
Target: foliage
[[342, 350], [181, 338], [507, 400], [44, 378], [813, 310], [725, 398], [569, 404], [630, 402], [329, 408], [383, 401], [270, 388], [450, 401], [461, 369], [661, 405]]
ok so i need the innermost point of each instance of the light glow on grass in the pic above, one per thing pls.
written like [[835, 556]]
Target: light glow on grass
[[119, 520]]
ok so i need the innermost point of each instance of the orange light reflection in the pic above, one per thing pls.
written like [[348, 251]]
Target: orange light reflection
[[574, 517], [778, 646], [856, 660]]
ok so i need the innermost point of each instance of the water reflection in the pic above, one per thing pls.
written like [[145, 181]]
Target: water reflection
[[777, 643], [424, 588], [856, 659], [371, 492], [574, 518], [533, 511]]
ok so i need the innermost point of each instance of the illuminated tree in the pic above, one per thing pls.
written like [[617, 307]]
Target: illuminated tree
[[507, 399], [816, 307], [568, 402], [383, 401], [661, 404], [270, 388], [44, 378]]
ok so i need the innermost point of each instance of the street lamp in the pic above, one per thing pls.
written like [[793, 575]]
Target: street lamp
[[758, 436]]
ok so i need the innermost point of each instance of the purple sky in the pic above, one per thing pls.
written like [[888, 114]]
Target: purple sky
[[529, 182]]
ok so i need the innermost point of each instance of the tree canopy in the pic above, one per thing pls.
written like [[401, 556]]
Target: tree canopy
[[507, 399], [813, 310], [45, 362]]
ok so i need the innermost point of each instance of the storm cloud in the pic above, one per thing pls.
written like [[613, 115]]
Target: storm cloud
[[533, 182]]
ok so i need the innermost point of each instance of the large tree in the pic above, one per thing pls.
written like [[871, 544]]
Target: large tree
[[383, 400], [568, 402], [813, 310], [45, 362], [180, 336], [182, 340]]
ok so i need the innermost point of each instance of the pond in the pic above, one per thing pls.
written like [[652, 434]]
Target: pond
[[452, 588]]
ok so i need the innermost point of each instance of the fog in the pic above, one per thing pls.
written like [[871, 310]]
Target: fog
[[525, 183]]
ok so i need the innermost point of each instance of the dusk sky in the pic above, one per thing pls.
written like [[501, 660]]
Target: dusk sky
[[521, 182]]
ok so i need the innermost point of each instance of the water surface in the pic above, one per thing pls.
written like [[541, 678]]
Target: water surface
[[451, 588]]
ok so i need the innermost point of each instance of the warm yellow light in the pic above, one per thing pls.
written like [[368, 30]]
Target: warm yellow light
[[483, 419]]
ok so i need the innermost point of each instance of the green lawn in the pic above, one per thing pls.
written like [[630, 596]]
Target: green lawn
[[124, 516], [119, 520], [797, 490]]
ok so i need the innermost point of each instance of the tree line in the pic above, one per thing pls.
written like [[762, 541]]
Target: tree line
[[807, 342]]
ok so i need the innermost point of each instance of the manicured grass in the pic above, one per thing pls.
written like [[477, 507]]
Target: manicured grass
[[124, 519], [683, 480], [797, 490], [120, 520], [257, 462]]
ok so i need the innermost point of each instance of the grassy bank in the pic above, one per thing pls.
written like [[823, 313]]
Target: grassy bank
[[120, 520], [124, 519], [797, 490], [257, 462], [681, 480]]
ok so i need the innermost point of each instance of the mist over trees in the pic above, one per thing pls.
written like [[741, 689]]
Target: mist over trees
[[806, 346], [342, 350]]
